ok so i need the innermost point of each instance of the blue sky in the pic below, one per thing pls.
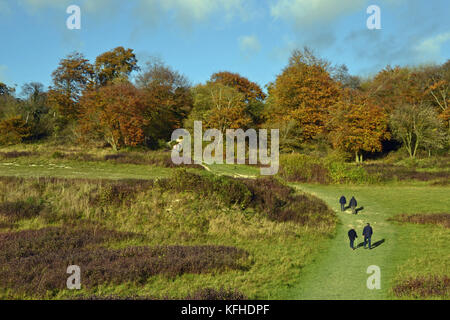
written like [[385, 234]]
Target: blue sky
[[200, 37]]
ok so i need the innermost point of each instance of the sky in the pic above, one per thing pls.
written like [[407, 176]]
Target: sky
[[199, 37]]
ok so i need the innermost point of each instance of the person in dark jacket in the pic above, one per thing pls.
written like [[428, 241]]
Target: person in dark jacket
[[367, 233], [353, 204], [342, 201], [352, 236]]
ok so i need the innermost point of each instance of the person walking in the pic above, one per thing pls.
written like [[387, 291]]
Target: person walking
[[352, 236], [367, 233], [353, 204], [342, 201]]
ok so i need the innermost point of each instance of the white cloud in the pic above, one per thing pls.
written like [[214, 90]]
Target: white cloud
[[4, 7], [249, 45], [34, 5], [308, 12], [430, 48], [188, 12]]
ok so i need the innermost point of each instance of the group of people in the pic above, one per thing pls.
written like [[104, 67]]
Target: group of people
[[352, 204], [352, 235], [367, 233]]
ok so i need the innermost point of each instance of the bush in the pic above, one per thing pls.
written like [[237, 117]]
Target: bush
[[281, 204], [442, 219], [18, 210], [302, 168], [35, 261], [229, 191], [14, 131], [341, 172], [297, 167], [16, 154], [387, 172], [424, 286], [267, 195]]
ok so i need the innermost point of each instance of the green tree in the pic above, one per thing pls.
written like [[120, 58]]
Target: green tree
[[115, 65], [417, 126], [168, 100], [73, 75]]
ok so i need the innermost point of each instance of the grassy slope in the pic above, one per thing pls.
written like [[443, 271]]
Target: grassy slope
[[278, 250], [24, 167], [340, 273]]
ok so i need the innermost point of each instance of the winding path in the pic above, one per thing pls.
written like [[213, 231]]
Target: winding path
[[341, 273]]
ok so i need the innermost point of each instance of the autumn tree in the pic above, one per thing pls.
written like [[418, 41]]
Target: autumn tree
[[13, 130], [303, 93], [5, 90], [438, 89], [115, 65], [168, 100], [73, 75], [220, 107], [253, 95], [417, 126], [114, 114], [357, 124], [392, 87], [341, 74], [8, 102]]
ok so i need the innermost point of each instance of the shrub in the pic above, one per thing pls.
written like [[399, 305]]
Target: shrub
[[281, 204], [442, 219], [301, 168], [18, 210], [228, 190], [35, 261], [341, 172], [16, 154], [13, 131], [159, 159], [423, 286], [387, 172]]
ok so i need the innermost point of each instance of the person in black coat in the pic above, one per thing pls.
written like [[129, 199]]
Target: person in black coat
[[367, 233], [352, 236], [353, 204], [342, 201]]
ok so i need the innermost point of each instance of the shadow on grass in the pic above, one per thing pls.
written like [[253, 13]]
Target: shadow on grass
[[359, 209], [374, 245], [378, 243]]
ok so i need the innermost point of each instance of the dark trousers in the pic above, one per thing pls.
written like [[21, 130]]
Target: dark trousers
[[368, 239], [342, 206], [352, 242]]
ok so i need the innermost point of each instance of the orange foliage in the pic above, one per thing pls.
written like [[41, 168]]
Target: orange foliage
[[115, 114], [358, 124], [303, 93]]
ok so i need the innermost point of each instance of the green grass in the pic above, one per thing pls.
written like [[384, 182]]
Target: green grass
[[278, 251], [234, 170], [408, 250], [38, 167], [288, 261]]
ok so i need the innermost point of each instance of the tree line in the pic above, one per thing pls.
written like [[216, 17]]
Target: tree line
[[315, 104]]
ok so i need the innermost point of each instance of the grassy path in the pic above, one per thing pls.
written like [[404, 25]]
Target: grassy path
[[340, 273]]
